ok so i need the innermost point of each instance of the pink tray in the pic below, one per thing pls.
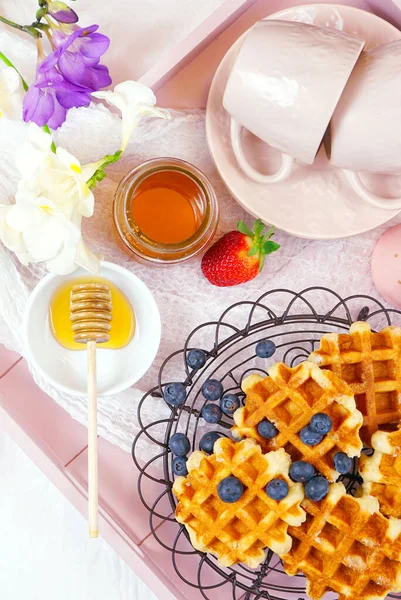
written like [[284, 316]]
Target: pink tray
[[45, 432], [183, 77]]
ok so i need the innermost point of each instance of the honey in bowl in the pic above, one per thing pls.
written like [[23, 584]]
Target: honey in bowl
[[122, 324]]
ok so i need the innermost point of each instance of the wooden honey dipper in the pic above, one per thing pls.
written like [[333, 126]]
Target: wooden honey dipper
[[90, 315]]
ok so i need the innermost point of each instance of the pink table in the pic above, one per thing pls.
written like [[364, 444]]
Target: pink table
[[57, 444]]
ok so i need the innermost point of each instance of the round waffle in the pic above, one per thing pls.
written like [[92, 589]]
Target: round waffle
[[346, 546], [239, 531], [289, 398], [371, 364]]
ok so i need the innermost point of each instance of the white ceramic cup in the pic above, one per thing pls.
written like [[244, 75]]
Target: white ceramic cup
[[284, 87], [365, 131]]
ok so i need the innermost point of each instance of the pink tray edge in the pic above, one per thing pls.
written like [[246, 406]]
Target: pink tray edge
[[59, 468], [194, 42]]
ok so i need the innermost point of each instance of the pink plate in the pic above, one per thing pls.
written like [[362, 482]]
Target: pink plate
[[316, 201], [386, 266]]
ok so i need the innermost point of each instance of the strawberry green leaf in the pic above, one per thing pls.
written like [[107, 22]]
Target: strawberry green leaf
[[270, 247], [242, 228], [267, 236], [269, 233], [258, 228], [254, 250]]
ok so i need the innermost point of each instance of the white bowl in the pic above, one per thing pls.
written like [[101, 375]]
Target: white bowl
[[117, 370]]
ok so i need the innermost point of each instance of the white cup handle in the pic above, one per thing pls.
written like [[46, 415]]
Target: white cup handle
[[283, 172], [359, 187]]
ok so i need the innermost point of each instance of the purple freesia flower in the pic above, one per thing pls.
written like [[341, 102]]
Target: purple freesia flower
[[67, 77], [47, 101], [62, 12], [77, 56]]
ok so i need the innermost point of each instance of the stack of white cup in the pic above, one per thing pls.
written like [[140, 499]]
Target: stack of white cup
[[296, 85]]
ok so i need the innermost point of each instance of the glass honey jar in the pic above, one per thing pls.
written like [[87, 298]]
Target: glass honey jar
[[165, 211]]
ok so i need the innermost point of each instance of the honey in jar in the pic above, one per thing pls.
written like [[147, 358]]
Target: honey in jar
[[122, 323], [165, 211]]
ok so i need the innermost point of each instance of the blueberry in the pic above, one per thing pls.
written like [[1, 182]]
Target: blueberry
[[211, 413], [207, 441], [321, 423], [267, 429], [229, 404], [196, 359], [212, 389], [230, 489], [342, 463], [179, 444], [310, 437], [180, 465], [301, 471], [265, 348], [317, 488], [175, 394], [277, 489]]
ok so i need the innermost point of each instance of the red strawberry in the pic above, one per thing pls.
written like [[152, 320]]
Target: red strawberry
[[238, 256]]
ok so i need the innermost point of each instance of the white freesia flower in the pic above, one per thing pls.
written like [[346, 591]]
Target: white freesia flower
[[34, 152], [10, 92], [134, 101], [11, 238], [63, 177], [58, 176], [45, 222], [36, 230]]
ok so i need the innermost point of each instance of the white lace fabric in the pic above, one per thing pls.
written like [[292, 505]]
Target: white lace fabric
[[184, 296], [182, 293]]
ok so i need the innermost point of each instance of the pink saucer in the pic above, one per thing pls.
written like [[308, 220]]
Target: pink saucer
[[315, 202], [386, 266]]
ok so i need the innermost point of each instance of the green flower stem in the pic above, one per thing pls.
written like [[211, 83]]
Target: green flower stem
[[100, 174], [10, 64], [25, 28], [47, 130], [41, 26]]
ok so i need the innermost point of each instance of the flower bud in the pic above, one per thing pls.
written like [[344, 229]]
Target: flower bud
[[61, 12]]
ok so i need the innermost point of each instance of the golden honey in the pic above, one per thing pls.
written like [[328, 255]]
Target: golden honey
[[164, 207], [122, 323], [165, 211]]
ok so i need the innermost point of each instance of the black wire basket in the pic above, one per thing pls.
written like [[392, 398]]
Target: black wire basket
[[295, 322]]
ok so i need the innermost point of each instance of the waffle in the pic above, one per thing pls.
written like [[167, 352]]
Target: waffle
[[381, 468], [387, 442], [381, 472], [289, 398], [346, 546], [371, 364], [388, 496], [240, 531]]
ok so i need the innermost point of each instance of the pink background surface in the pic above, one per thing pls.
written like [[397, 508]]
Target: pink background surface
[[42, 428], [141, 31]]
